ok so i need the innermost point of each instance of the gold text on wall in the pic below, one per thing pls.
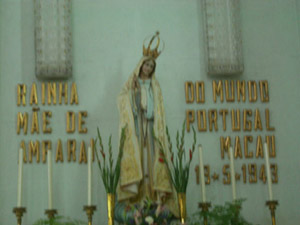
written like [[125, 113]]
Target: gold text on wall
[[43, 108], [235, 112]]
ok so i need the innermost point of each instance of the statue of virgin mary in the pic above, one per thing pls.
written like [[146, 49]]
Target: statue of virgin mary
[[144, 174]]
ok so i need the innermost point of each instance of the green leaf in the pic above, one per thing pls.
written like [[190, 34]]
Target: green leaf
[[226, 214], [59, 220], [109, 174], [180, 163]]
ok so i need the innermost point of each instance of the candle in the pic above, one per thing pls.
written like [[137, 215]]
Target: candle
[[89, 176], [20, 178], [202, 173], [49, 159], [268, 172], [232, 173]]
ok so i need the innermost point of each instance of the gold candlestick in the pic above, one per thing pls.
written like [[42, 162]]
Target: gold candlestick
[[237, 212], [89, 209], [272, 207], [204, 207], [50, 213], [19, 211]]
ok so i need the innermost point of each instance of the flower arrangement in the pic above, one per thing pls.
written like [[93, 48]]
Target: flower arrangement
[[227, 214], [148, 213], [110, 174], [178, 169]]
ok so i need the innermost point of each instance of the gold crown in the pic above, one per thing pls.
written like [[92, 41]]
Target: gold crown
[[154, 53]]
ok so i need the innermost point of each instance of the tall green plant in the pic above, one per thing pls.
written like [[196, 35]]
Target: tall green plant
[[178, 169], [110, 174]]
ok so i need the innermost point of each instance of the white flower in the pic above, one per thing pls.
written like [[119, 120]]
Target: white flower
[[149, 220]]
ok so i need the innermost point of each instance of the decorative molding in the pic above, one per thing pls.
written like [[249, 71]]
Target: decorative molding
[[53, 55], [223, 37]]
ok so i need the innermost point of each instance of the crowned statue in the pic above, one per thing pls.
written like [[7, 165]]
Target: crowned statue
[[144, 174]]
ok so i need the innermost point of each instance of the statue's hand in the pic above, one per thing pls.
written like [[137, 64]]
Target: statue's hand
[[135, 83]]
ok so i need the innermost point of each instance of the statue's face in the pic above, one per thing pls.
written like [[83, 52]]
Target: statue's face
[[147, 68]]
